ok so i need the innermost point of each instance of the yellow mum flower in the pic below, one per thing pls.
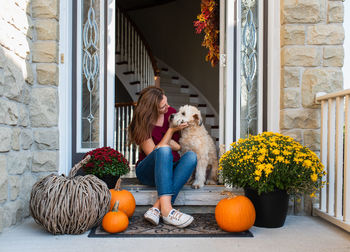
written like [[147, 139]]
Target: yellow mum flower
[[307, 163], [276, 152], [314, 177]]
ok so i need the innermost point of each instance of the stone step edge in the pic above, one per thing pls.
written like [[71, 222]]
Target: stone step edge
[[206, 196]]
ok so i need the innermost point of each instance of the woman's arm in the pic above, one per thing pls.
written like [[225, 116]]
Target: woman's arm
[[148, 145], [174, 145]]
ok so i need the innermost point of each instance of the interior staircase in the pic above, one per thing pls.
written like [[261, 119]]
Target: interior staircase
[[137, 68]]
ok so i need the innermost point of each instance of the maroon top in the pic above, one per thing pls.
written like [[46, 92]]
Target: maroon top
[[158, 133]]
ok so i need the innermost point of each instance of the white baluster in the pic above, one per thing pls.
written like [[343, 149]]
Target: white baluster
[[347, 161], [139, 60], [119, 131], [131, 161], [118, 30], [331, 156], [122, 130], [324, 130], [339, 123]]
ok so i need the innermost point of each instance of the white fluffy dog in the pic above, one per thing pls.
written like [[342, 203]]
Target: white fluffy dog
[[196, 138]]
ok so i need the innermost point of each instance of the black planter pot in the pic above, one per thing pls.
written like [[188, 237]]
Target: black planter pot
[[109, 180], [271, 208]]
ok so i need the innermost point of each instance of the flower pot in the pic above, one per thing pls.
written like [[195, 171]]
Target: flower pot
[[271, 208], [110, 180]]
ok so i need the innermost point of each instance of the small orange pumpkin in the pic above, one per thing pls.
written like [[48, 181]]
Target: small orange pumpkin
[[115, 221], [127, 201], [235, 213]]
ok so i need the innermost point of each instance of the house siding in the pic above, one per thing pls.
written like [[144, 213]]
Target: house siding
[[312, 57], [28, 101]]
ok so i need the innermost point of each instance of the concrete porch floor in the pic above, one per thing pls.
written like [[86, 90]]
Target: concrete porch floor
[[300, 233]]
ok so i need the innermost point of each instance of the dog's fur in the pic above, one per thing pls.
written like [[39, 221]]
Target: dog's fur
[[196, 138]]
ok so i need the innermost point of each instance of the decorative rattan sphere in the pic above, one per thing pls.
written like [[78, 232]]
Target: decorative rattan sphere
[[69, 205]]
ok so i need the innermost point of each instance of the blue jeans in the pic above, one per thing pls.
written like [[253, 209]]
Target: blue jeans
[[158, 169]]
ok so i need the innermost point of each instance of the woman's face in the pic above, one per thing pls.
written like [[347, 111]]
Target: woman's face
[[163, 105]]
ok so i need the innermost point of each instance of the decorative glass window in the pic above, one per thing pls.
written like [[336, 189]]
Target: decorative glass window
[[249, 56], [90, 75]]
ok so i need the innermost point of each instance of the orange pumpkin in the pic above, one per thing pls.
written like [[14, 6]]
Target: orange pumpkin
[[115, 221], [127, 201], [235, 213]]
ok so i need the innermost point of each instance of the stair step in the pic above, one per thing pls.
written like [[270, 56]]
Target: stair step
[[193, 95], [129, 72], [170, 89], [164, 69], [202, 105], [135, 82], [209, 195], [122, 63]]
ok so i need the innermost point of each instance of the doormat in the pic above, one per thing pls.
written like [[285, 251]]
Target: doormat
[[204, 225]]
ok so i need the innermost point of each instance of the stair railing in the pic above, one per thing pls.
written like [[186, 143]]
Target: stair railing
[[123, 116], [135, 51], [334, 204]]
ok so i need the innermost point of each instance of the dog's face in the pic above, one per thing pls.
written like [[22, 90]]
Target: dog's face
[[187, 114]]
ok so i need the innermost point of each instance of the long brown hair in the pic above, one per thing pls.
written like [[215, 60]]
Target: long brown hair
[[145, 115]]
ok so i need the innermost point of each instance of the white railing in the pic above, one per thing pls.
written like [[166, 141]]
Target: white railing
[[123, 115], [133, 49], [334, 204]]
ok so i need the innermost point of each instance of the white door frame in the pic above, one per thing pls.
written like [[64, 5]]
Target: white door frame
[[64, 87], [65, 82], [228, 67], [111, 32]]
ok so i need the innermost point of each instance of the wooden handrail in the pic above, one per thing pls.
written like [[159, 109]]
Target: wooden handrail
[[333, 95], [124, 104], [148, 48]]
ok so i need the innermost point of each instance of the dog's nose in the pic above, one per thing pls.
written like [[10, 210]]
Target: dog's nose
[[171, 116]]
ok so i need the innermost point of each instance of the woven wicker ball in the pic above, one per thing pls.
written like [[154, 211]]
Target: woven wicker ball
[[69, 205]]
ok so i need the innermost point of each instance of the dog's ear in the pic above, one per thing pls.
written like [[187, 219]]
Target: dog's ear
[[196, 118]]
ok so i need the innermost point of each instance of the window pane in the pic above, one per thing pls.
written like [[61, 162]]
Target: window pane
[[90, 73], [249, 67]]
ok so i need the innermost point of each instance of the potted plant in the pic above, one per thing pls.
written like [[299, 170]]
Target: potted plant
[[270, 167], [107, 164]]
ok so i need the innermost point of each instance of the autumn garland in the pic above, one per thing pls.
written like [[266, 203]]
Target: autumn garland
[[209, 22]]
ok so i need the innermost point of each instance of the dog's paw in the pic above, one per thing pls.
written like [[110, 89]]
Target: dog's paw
[[197, 185], [210, 182]]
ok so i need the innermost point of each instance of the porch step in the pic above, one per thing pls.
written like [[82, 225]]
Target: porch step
[[209, 195]]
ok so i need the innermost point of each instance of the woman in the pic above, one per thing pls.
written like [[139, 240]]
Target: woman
[[159, 163]]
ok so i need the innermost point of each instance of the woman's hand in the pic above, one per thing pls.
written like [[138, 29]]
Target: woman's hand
[[179, 127]]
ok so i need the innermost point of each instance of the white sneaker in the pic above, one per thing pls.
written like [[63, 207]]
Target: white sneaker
[[178, 219], [152, 215]]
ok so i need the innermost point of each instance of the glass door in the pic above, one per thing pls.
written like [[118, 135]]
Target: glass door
[[91, 76]]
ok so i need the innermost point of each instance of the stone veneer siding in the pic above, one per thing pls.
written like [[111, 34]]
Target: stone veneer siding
[[28, 101], [312, 57]]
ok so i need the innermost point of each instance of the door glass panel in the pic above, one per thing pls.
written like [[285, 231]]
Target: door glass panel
[[90, 81], [249, 67]]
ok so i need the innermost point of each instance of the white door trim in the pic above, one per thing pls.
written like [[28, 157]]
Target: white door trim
[[64, 87], [274, 66], [229, 71], [110, 72]]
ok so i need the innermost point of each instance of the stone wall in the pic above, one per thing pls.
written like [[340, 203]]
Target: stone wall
[[312, 56], [28, 101]]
